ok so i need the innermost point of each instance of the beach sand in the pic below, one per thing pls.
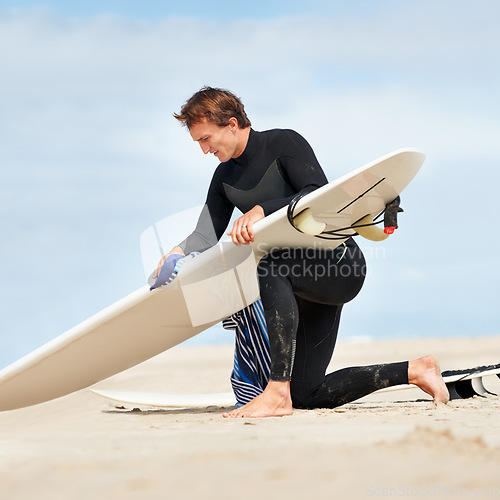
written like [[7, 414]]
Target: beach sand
[[393, 444]]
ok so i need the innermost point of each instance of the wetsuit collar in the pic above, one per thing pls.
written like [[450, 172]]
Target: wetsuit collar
[[249, 152]]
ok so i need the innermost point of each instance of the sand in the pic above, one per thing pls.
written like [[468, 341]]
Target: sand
[[394, 444]]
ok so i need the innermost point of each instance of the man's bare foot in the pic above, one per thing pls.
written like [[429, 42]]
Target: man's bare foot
[[275, 401], [425, 373]]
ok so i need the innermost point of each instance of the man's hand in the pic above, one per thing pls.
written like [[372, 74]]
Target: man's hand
[[162, 261], [242, 231]]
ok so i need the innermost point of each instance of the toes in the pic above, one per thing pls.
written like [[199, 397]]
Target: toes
[[236, 413]]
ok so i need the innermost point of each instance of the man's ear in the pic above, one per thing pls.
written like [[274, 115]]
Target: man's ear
[[233, 124]]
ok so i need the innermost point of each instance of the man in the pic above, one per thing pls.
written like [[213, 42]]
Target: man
[[259, 173]]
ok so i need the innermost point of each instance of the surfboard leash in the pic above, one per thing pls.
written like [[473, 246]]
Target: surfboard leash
[[388, 216]]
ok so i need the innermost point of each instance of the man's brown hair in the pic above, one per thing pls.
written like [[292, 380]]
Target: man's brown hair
[[216, 105]]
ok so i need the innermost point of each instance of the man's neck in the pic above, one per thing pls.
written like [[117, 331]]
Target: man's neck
[[243, 135]]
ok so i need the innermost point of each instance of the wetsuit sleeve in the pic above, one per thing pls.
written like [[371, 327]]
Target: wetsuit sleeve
[[300, 167], [212, 222]]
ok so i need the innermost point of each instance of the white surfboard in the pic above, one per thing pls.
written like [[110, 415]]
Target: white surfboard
[[210, 287], [168, 401], [462, 384]]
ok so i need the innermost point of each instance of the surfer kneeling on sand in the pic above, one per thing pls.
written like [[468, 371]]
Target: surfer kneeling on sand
[[259, 173]]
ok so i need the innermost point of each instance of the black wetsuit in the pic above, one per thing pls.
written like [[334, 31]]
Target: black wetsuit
[[273, 168], [302, 290]]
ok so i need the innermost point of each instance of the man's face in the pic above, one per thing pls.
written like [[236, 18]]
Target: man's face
[[220, 141]]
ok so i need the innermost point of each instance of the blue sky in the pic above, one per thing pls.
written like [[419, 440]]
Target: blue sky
[[90, 154], [218, 10]]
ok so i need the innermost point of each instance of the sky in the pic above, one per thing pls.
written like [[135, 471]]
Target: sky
[[90, 155]]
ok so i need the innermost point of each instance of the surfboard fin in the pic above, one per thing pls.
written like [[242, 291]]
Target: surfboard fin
[[306, 223], [366, 228], [464, 389]]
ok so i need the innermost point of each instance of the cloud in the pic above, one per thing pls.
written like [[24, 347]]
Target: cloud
[[111, 84]]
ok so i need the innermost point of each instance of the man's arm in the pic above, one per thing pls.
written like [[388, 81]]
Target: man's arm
[[211, 224], [300, 166], [242, 231]]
